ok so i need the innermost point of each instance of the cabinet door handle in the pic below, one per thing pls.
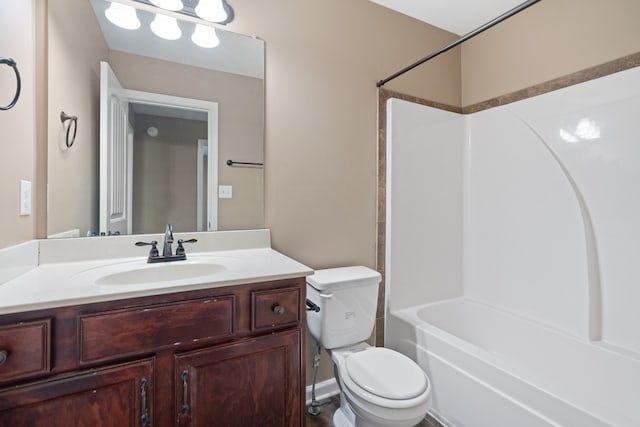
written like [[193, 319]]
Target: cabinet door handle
[[3, 357], [185, 389], [278, 309], [144, 417]]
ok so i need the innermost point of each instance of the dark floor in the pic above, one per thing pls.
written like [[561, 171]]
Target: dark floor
[[324, 419]]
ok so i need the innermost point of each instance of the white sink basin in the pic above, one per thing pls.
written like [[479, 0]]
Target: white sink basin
[[195, 269], [161, 272]]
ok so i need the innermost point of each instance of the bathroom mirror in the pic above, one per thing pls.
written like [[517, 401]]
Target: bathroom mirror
[[168, 173]]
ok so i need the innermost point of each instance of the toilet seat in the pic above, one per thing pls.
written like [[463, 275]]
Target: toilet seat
[[385, 378], [386, 373]]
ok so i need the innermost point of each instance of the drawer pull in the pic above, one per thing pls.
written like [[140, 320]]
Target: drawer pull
[[144, 418], [278, 309], [3, 357], [185, 390]]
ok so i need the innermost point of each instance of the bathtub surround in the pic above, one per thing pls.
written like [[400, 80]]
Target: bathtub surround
[[525, 218], [602, 70]]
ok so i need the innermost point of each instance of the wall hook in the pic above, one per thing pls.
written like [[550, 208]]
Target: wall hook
[[74, 120], [12, 63]]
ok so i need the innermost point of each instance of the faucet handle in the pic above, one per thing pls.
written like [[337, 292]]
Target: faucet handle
[[154, 250], [180, 248]]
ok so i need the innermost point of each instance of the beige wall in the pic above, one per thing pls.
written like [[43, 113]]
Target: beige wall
[[546, 41], [74, 87], [323, 60], [17, 126]]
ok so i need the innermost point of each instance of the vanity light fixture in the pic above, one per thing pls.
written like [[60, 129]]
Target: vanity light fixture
[[123, 16], [173, 5], [166, 27], [211, 10], [205, 36]]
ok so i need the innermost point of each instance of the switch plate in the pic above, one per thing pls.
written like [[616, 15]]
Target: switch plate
[[225, 191], [25, 197]]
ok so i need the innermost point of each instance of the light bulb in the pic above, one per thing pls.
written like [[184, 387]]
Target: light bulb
[[205, 36], [174, 5], [123, 16], [166, 27], [211, 10]]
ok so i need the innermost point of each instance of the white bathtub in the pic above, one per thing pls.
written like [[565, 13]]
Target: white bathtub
[[491, 368]]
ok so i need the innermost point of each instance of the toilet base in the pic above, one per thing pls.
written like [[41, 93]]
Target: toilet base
[[340, 419], [344, 416]]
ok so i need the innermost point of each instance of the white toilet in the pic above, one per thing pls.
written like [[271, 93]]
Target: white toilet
[[378, 386]]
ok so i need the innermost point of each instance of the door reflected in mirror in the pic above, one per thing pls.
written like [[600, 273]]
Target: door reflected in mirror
[[164, 186], [151, 154]]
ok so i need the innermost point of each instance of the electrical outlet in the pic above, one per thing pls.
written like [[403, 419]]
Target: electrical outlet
[[25, 197], [225, 192]]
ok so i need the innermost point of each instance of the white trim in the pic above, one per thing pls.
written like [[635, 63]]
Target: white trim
[[324, 390], [211, 108], [212, 169], [203, 150], [129, 206]]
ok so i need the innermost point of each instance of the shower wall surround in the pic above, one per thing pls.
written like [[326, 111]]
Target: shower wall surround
[[533, 207]]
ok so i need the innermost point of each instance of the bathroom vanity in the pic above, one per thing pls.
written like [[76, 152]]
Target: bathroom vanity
[[222, 353]]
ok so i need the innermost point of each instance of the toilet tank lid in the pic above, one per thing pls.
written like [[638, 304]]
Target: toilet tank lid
[[331, 278]]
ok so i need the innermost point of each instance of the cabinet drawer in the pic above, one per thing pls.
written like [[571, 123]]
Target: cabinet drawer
[[121, 333], [275, 308], [25, 349]]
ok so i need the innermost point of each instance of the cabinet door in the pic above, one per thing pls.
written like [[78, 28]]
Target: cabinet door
[[252, 383], [117, 396]]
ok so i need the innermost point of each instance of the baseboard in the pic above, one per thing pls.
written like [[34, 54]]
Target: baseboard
[[324, 390]]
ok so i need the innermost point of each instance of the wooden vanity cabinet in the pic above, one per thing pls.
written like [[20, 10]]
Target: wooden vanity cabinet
[[229, 356], [118, 396]]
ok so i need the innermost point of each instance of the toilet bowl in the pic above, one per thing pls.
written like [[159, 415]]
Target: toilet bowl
[[378, 386], [383, 388]]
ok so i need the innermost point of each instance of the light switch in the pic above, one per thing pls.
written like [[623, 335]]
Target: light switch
[[25, 197], [225, 191]]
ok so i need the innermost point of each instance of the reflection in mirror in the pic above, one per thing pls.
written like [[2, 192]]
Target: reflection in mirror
[[230, 75], [148, 178], [169, 146]]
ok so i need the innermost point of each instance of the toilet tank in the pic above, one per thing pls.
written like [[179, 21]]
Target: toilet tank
[[348, 300]]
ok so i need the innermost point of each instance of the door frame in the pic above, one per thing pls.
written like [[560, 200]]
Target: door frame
[[209, 107], [203, 153]]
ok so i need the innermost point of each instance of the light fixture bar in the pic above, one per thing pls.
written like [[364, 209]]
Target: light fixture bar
[[153, 9]]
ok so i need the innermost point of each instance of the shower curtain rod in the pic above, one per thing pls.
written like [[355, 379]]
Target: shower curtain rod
[[462, 39]]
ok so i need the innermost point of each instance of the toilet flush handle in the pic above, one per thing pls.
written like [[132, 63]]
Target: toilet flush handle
[[326, 295]]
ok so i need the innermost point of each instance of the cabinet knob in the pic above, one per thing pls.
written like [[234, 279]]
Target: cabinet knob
[[278, 309], [3, 356]]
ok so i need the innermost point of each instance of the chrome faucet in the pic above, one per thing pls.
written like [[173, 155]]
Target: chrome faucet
[[168, 241], [167, 253]]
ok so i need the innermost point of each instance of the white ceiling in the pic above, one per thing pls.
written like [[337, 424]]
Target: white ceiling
[[456, 16]]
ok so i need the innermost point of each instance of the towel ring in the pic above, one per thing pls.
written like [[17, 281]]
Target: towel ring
[[12, 63], [74, 120]]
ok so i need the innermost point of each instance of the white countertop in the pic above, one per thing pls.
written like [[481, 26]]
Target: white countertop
[[60, 284]]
